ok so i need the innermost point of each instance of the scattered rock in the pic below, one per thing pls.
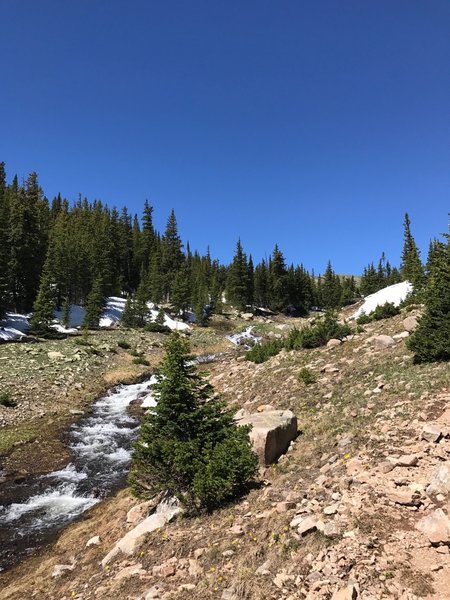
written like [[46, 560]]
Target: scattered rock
[[410, 323], [331, 510], [306, 525], [153, 593], [406, 460], [265, 408], [59, 570], [431, 432], [436, 526], [440, 481], [130, 542], [354, 465], [138, 512], [283, 507], [333, 343], [195, 568], [129, 572], [404, 497], [94, 541], [348, 593], [382, 342]]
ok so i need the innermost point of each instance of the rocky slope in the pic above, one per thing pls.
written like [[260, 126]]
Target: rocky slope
[[357, 508]]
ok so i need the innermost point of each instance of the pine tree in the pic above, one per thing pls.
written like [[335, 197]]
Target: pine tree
[[202, 309], [331, 289], [66, 312], [44, 305], [4, 259], [190, 446], [278, 289], [155, 284], [160, 317], [128, 318], [261, 285], [237, 280], [94, 305], [148, 234], [431, 340], [172, 255], [180, 291], [411, 267]]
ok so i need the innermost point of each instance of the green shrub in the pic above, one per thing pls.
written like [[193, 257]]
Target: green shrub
[[190, 446], [294, 339], [155, 327], [317, 334], [311, 336], [262, 352], [306, 376], [7, 400], [383, 311], [140, 360], [363, 319], [123, 344]]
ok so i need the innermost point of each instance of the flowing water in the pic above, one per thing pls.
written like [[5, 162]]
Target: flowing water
[[33, 511]]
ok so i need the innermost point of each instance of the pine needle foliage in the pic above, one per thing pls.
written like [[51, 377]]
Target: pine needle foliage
[[431, 340], [189, 446]]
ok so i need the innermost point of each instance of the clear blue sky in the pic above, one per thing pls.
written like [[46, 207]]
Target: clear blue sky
[[315, 124]]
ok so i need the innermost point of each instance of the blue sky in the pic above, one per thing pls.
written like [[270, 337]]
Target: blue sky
[[312, 124]]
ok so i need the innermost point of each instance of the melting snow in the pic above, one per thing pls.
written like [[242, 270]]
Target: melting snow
[[244, 337], [395, 294], [14, 326]]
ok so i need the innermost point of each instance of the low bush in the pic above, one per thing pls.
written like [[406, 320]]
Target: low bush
[[317, 334], [306, 376], [6, 400], [140, 360], [383, 311], [262, 352], [363, 319], [123, 344], [311, 336], [154, 327]]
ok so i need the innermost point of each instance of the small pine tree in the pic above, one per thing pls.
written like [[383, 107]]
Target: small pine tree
[[66, 312], [160, 317], [128, 318], [237, 280], [94, 305], [44, 306], [411, 267], [190, 446], [431, 340]]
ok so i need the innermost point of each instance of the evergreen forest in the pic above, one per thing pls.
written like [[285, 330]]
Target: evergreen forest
[[56, 253]]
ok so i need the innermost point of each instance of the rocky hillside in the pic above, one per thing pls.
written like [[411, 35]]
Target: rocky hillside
[[357, 508]]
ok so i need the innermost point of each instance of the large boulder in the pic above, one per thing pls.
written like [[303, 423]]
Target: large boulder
[[272, 432]]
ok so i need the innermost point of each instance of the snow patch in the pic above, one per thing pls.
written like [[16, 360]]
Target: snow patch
[[245, 338], [14, 326], [395, 294]]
